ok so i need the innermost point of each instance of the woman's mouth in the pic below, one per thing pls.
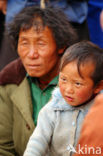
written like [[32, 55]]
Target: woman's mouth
[[33, 66]]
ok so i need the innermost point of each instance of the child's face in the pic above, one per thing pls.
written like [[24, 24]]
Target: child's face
[[75, 89]]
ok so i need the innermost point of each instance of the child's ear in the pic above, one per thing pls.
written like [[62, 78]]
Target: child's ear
[[99, 87]]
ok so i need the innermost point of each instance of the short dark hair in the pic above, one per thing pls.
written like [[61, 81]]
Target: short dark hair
[[82, 52], [37, 17]]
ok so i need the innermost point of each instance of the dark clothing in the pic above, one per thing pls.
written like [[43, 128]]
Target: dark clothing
[[12, 73], [7, 54], [82, 30], [94, 10], [2, 20]]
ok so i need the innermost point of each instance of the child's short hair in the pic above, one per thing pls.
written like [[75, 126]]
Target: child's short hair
[[84, 52]]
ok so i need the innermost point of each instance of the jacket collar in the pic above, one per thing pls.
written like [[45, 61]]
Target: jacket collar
[[58, 102], [13, 73], [21, 98]]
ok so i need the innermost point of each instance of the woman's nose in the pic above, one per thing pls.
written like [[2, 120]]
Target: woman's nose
[[33, 53]]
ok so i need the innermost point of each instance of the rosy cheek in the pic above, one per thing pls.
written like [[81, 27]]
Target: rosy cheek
[[61, 86], [82, 93]]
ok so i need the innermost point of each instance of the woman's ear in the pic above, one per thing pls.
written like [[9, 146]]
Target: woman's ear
[[99, 87]]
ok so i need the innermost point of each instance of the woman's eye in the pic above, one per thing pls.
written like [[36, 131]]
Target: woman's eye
[[24, 43], [63, 79], [41, 43]]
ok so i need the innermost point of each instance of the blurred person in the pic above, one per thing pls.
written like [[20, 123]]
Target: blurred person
[[59, 122], [76, 11], [2, 18], [19, 5], [3, 4], [92, 130], [101, 20], [40, 37], [2, 21], [6, 52], [95, 20]]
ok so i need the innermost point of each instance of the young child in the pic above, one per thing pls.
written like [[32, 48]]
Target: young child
[[59, 122]]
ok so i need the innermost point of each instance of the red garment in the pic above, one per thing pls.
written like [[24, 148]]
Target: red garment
[[92, 130]]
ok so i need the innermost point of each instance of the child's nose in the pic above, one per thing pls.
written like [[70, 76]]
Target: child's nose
[[70, 89]]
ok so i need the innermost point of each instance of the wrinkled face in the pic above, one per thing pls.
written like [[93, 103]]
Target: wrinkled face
[[37, 51], [75, 89]]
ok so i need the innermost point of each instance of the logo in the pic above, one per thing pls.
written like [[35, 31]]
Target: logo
[[70, 148], [85, 150]]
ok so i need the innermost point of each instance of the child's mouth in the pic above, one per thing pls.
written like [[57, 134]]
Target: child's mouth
[[69, 98]]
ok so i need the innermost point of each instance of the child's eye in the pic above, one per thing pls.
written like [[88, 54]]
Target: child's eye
[[78, 84]]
